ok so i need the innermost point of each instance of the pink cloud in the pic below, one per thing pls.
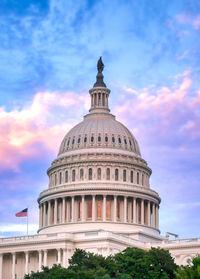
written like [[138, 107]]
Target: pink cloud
[[186, 18], [24, 131], [164, 113]]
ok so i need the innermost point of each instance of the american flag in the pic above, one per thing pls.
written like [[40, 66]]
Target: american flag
[[22, 213]]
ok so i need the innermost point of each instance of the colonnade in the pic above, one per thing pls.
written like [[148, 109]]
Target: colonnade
[[61, 256], [103, 208]]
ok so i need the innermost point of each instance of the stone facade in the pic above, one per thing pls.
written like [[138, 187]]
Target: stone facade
[[98, 199]]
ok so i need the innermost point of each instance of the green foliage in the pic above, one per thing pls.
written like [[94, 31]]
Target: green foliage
[[189, 271], [131, 263]]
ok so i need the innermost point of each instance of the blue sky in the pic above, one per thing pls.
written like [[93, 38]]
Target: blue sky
[[48, 54]]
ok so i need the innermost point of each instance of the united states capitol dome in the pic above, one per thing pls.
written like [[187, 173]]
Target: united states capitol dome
[[99, 128]]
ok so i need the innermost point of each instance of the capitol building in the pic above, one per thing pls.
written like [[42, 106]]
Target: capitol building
[[98, 198]]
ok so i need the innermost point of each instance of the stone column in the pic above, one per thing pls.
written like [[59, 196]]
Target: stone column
[[26, 262], [72, 208], [55, 211], [142, 212], [157, 216], [125, 209], [39, 260], [59, 255], [149, 214], [83, 208], [41, 215], [153, 216], [104, 208], [63, 210], [49, 213], [134, 211], [93, 209], [44, 214], [45, 257], [115, 209], [1, 266], [68, 211], [65, 257], [13, 265]]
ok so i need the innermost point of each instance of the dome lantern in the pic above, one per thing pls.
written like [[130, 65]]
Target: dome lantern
[[99, 93]]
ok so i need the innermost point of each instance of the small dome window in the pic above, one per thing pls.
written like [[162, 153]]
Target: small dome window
[[73, 141], [113, 139], [99, 138], [125, 141], [106, 139], [79, 140], [119, 140], [130, 142], [68, 142], [85, 139], [92, 139]]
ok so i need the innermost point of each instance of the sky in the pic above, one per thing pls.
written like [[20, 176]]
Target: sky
[[151, 52]]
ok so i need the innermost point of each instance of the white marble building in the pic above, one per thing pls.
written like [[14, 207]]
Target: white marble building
[[98, 199]]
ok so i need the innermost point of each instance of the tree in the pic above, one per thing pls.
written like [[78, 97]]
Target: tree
[[190, 271], [130, 263]]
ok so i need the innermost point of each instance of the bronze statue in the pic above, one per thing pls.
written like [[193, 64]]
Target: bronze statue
[[100, 65]]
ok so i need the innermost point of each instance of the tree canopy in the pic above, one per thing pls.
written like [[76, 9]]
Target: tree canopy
[[130, 263]]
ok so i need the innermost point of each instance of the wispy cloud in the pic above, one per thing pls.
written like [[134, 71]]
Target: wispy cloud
[[25, 131]]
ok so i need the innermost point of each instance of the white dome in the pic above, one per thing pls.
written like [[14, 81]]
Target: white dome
[[99, 130]]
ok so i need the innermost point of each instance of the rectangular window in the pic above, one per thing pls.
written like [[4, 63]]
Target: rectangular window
[[108, 209], [66, 176], [89, 209], [73, 175], [79, 209], [138, 178], [108, 174], [118, 209], [99, 209]]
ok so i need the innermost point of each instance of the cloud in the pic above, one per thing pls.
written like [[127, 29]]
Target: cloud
[[25, 132]]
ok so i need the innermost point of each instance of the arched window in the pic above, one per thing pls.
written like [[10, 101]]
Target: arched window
[[55, 179], [142, 179], [73, 175], [99, 138], [92, 139], [79, 140], [130, 142], [81, 174], [108, 173], [60, 177], [90, 173], [73, 141], [66, 176], [138, 178], [79, 209], [116, 174], [106, 139], [131, 177], [68, 142], [85, 139], [99, 173], [113, 139], [124, 175], [119, 139], [125, 141]]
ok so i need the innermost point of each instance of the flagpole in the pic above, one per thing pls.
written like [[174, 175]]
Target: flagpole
[[27, 221]]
